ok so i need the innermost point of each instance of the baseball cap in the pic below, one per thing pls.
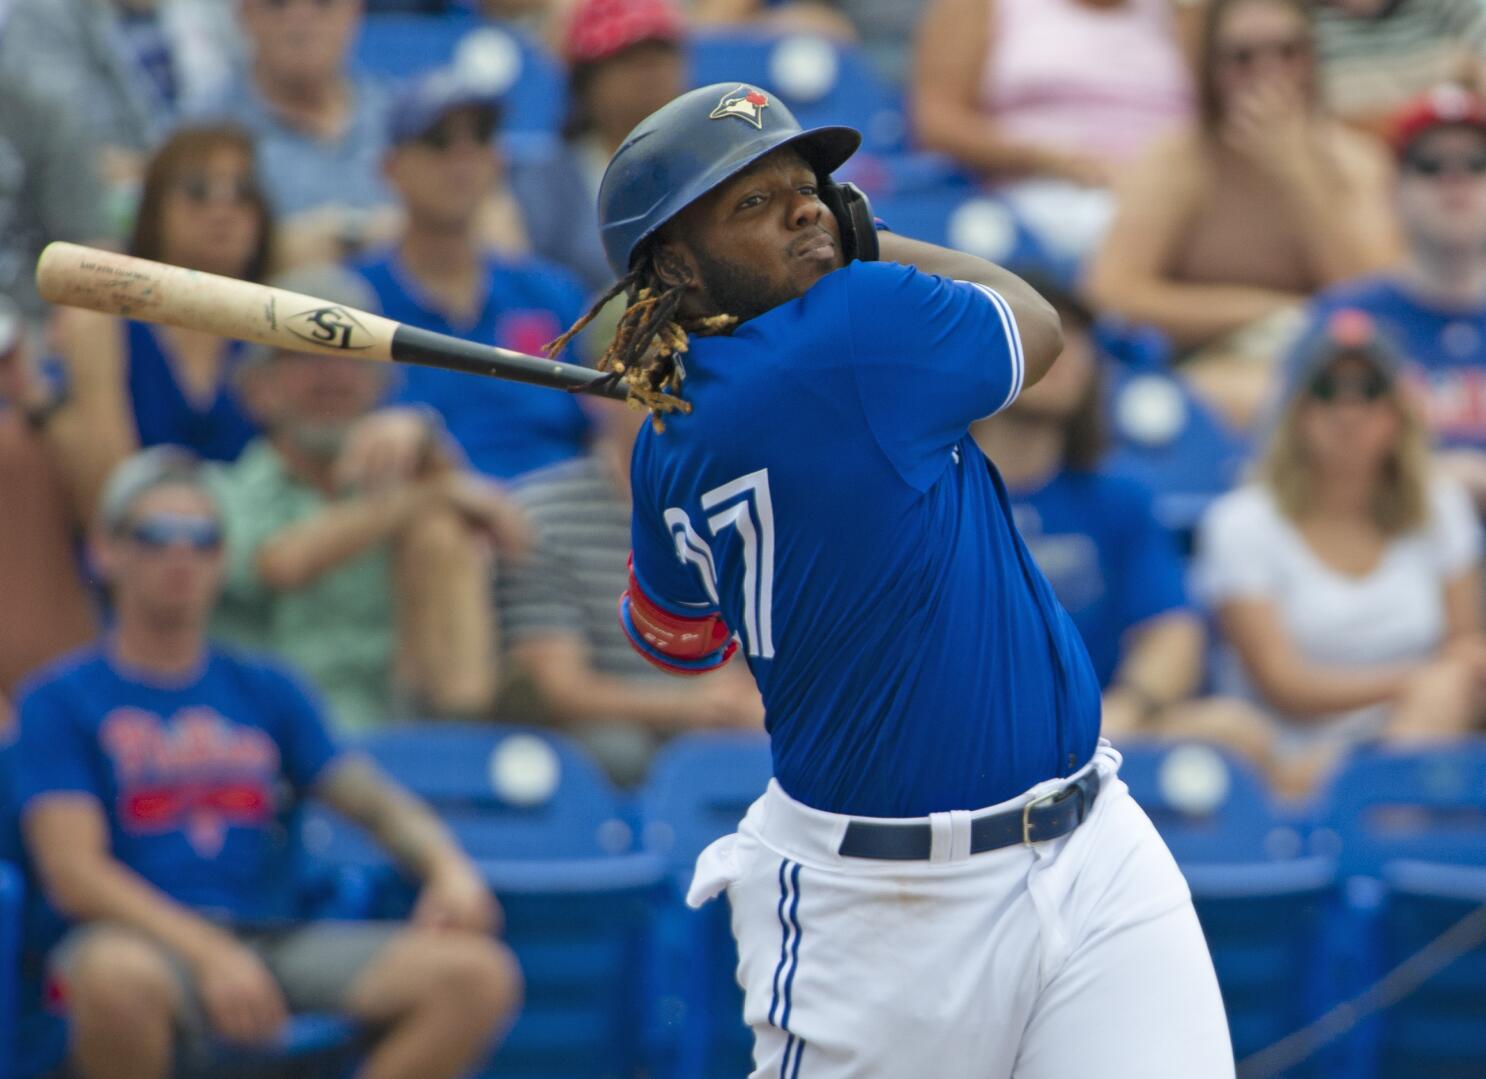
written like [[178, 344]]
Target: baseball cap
[[1447, 105], [597, 29], [1347, 334], [426, 100], [158, 466], [329, 282]]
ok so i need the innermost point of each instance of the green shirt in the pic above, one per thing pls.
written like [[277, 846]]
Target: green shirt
[[339, 629]]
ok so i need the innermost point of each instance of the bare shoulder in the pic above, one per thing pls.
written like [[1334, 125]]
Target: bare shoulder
[[1356, 153]]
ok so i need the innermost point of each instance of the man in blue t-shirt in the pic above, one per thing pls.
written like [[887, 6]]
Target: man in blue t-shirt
[[1095, 536], [158, 778], [443, 166], [946, 876], [1434, 305]]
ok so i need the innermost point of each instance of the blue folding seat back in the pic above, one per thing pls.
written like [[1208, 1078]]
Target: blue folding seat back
[[530, 82], [700, 787], [1209, 806], [820, 80], [1426, 804], [1439, 1029], [534, 793]]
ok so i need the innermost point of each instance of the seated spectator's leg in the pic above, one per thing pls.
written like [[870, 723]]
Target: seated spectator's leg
[[123, 994], [442, 997], [446, 618]]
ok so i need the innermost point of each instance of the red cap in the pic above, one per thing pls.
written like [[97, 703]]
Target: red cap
[[1443, 106], [598, 29]]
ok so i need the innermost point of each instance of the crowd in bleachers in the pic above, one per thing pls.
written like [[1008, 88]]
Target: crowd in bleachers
[[1255, 477]]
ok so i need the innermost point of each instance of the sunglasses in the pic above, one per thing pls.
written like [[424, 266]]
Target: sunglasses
[[1328, 387], [447, 132], [1432, 165], [162, 530], [1246, 54], [202, 189]]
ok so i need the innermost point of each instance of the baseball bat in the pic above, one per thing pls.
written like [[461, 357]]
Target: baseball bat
[[138, 288]]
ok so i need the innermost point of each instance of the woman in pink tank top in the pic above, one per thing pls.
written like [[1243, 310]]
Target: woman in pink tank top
[[1047, 99]]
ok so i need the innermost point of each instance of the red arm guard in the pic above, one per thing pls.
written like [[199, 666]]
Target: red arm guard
[[674, 642]]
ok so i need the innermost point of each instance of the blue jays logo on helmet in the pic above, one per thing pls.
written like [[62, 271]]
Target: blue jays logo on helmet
[[691, 145], [744, 103]]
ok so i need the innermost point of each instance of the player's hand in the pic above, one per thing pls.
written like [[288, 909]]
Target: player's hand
[[487, 506], [243, 1002], [454, 897], [391, 445]]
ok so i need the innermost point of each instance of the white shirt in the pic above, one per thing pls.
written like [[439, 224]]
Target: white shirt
[[1248, 549]]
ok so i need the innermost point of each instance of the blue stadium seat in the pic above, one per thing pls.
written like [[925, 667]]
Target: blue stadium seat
[[532, 84], [700, 787], [820, 80], [12, 896], [548, 833], [1439, 1030]]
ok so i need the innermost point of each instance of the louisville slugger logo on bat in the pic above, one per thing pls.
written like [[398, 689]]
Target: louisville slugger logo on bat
[[331, 327]]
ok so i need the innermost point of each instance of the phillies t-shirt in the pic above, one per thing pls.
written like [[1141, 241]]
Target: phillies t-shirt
[[198, 777]]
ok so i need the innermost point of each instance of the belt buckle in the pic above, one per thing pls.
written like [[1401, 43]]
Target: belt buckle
[[1048, 798]]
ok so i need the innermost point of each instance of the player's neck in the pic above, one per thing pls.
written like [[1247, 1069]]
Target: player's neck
[[1027, 451], [1454, 277]]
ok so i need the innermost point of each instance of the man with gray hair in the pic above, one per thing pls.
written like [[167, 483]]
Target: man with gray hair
[[157, 777], [356, 538]]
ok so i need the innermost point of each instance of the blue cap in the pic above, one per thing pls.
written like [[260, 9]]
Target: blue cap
[[692, 144], [425, 101]]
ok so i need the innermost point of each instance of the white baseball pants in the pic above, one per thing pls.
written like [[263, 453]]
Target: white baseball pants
[[1080, 956]]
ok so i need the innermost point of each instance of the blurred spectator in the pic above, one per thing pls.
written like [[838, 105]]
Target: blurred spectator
[[1025, 93], [1225, 228], [443, 165], [49, 187], [1377, 54], [47, 608], [354, 540], [320, 133], [133, 384], [1095, 536], [624, 61], [1346, 578], [157, 776], [792, 16], [1434, 305], [138, 64], [557, 614]]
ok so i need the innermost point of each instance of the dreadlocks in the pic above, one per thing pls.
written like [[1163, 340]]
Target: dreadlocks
[[646, 350]]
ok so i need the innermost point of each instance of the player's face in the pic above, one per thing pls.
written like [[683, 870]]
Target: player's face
[[1442, 189], [1350, 419], [444, 175], [1260, 44], [166, 562], [760, 240], [209, 215]]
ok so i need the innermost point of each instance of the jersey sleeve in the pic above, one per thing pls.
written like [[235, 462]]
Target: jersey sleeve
[[931, 356], [1235, 543], [672, 564], [305, 742], [54, 752]]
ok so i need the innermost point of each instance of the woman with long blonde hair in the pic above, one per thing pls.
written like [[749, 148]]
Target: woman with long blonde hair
[[1346, 578]]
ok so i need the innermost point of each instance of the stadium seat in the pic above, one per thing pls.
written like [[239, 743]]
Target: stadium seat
[[700, 787], [1439, 1029], [532, 85], [820, 80], [548, 833]]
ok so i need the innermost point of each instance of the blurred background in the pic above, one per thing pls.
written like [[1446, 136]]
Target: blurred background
[[1255, 478]]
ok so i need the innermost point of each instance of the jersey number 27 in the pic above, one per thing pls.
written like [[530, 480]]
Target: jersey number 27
[[742, 504]]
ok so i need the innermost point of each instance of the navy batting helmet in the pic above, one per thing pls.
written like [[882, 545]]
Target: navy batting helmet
[[687, 147]]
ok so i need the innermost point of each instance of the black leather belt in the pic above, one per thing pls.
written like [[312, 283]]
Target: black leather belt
[[1044, 818]]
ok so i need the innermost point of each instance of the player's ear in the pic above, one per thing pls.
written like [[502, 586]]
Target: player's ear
[[674, 264]]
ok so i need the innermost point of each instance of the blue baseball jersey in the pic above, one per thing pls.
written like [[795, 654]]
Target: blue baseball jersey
[[199, 778], [1445, 348], [506, 428], [1111, 563], [824, 495]]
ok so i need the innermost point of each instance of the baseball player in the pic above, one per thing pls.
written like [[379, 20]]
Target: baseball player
[[946, 876]]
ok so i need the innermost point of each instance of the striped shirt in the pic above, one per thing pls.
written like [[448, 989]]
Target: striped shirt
[[570, 583], [1372, 66]]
